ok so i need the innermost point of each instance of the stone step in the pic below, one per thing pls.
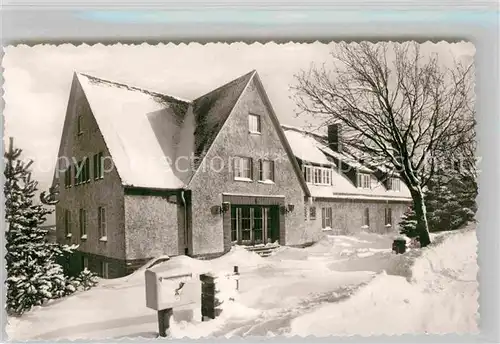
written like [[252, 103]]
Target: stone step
[[262, 250]]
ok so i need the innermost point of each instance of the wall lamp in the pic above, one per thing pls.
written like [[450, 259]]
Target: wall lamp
[[288, 208], [220, 209]]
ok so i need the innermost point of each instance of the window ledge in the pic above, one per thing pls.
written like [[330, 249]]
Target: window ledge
[[388, 225], [365, 227], [69, 235], [267, 181], [254, 132], [84, 237], [241, 179], [103, 239]]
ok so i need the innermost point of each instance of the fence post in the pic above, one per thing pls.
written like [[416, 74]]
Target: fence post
[[208, 299]]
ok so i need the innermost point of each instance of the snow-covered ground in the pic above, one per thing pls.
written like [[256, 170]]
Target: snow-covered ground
[[339, 286]]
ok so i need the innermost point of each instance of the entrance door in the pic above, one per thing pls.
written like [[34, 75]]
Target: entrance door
[[253, 225]]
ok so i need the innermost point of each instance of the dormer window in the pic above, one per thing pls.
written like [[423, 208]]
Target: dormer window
[[364, 181], [318, 175], [254, 124], [394, 184]]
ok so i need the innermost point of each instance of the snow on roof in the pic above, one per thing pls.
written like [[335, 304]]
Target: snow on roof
[[139, 128], [342, 188], [212, 110], [312, 147], [306, 148]]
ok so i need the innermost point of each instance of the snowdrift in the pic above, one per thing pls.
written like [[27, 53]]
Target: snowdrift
[[437, 294]]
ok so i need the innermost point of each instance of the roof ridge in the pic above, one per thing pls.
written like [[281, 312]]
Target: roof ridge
[[134, 88], [302, 130], [253, 71]]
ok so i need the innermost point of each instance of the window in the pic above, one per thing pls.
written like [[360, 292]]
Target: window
[[326, 217], [242, 168], [101, 223], [67, 177], [79, 125], [308, 170], [86, 176], [98, 166], [67, 223], [364, 180], [395, 184], [254, 125], [83, 223], [312, 213], [85, 263], [76, 175], [318, 175], [104, 269], [266, 170], [82, 171], [326, 176], [388, 216], [366, 218]]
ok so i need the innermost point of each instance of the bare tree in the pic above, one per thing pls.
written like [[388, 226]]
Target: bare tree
[[397, 107]]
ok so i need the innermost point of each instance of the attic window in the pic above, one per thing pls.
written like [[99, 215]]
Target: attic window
[[254, 124], [364, 180], [79, 125]]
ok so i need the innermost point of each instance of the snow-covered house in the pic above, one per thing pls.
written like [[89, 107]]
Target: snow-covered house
[[142, 174]]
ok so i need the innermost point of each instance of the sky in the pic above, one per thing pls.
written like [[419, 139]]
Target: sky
[[38, 79]]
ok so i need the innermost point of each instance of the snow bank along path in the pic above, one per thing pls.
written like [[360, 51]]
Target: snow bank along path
[[440, 295], [337, 286]]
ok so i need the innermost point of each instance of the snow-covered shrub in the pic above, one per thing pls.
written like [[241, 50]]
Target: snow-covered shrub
[[87, 279]]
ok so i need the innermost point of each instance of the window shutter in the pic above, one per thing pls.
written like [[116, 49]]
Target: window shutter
[[261, 169], [94, 167], [103, 219], [250, 162], [271, 163]]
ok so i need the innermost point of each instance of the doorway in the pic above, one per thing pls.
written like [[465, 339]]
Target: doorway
[[254, 225]]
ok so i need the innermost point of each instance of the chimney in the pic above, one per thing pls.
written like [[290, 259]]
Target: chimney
[[334, 137]]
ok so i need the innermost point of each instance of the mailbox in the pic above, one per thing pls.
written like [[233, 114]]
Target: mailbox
[[171, 288]]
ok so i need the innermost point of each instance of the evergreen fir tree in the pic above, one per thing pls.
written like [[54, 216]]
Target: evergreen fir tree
[[450, 200], [33, 276], [408, 223]]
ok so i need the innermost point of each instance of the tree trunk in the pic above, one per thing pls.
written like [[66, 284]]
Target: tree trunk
[[420, 212]]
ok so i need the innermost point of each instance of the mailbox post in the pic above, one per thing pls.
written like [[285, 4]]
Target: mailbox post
[[164, 316]]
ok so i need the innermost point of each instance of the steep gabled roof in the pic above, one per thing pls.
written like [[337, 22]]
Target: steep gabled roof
[[212, 110], [139, 128]]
